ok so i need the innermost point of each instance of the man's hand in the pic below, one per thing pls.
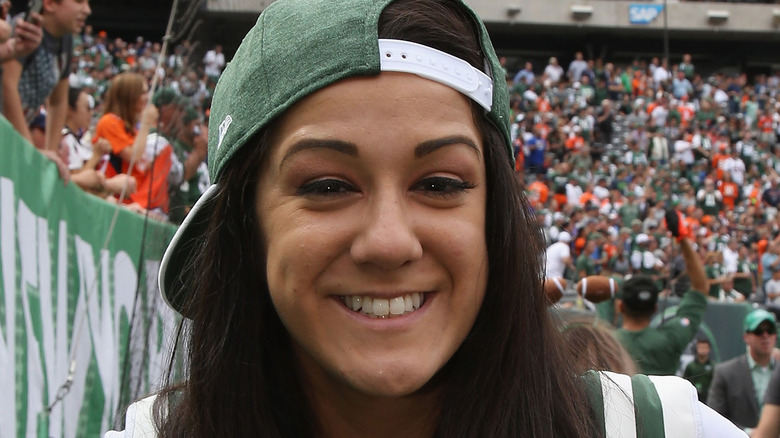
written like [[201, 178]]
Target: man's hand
[[62, 168], [5, 31], [102, 146], [150, 115], [27, 36], [676, 224]]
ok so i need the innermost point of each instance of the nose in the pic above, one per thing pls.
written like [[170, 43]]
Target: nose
[[387, 238]]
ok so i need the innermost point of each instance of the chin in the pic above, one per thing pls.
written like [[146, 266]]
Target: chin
[[392, 381]]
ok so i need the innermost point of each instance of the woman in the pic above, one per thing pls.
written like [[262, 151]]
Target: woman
[[365, 264], [82, 161], [594, 346], [126, 123]]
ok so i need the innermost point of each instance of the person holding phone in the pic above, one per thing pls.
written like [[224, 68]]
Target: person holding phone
[[20, 41], [39, 77]]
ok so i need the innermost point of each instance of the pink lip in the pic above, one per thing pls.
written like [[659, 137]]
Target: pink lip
[[394, 323]]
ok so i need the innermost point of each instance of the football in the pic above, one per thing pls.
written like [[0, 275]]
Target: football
[[554, 287], [597, 288]]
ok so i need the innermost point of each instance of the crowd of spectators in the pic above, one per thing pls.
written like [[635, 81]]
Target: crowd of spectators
[[604, 149], [92, 137]]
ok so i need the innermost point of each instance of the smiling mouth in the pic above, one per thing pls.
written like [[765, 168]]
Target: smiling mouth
[[384, 307]]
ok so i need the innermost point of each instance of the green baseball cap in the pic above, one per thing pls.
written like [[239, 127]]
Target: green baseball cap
[[756, 317], [189, 114], [164, 96], [296, 48]]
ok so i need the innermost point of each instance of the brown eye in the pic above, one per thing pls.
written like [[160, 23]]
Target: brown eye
[[325, 187]]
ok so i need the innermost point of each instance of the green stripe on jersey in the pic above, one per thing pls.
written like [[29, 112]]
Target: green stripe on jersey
[[647, 408]]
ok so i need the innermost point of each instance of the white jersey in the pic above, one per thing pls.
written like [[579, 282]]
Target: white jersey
[[627, 405], [557, 254]]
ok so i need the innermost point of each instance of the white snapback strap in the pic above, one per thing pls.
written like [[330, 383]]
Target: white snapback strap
[[427, 62]]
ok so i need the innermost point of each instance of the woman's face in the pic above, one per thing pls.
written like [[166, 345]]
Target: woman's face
[[375, 191]]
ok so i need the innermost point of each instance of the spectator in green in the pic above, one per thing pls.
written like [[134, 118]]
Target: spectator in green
[[699, 371], [190, 148], [586, 265], [656, 350], [744, 279], [716, 275]]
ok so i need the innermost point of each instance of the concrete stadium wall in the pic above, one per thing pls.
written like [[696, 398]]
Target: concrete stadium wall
[[682, 16]]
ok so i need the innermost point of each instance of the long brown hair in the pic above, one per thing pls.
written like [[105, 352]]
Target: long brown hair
[[122, 98], [594, 347], [512, 375]]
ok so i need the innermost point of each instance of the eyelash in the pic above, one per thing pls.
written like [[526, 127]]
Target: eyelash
[[437, 186], [443, 186]]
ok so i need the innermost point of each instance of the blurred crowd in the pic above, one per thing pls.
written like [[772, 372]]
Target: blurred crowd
[[86, 100], [604, 149]]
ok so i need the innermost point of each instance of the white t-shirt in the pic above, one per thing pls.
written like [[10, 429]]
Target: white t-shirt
[[554, 72], [78, 152], [730, 260], [213, 63], [684, 151], [772, 286], [556, 254]]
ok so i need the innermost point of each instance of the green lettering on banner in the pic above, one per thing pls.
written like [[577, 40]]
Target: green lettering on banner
[[62, 296]]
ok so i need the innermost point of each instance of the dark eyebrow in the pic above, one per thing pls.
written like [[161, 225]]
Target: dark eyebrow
[[337, 145], [431, 146], [351, 149]]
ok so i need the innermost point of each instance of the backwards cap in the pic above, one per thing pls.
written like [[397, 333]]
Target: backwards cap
[[640, 293], [296, 48]]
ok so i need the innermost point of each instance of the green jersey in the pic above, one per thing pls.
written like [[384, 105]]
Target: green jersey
[[657, 350], [700, 375]]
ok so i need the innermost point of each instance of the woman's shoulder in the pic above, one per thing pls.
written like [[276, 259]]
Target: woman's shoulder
[[139, 420], [658, 406], [110, 121]]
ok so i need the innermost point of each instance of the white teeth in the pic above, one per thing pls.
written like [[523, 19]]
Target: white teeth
[[383, 307], [397, 306], [357, 302], [368, 305]]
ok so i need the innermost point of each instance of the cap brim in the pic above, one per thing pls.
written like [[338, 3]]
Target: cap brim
[[173, 267]]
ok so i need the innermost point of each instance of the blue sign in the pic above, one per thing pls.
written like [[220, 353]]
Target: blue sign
[[643, 13]]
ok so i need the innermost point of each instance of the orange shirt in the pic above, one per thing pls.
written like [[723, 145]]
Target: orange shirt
[[560, 199], [543, 105], [686, 115], [716, 160], [587, 197], [765, 123], [575, 143], [541, 190], [730, 191], [543, 128], [112, 128]]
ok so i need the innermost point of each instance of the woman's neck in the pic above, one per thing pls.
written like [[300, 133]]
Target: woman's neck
[[353, 415], [72, 128], [343, 411]]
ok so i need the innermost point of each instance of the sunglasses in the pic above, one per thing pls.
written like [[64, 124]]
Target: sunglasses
[[761, 331]]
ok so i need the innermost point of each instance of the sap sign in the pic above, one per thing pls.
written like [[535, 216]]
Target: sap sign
[[643, 13]]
